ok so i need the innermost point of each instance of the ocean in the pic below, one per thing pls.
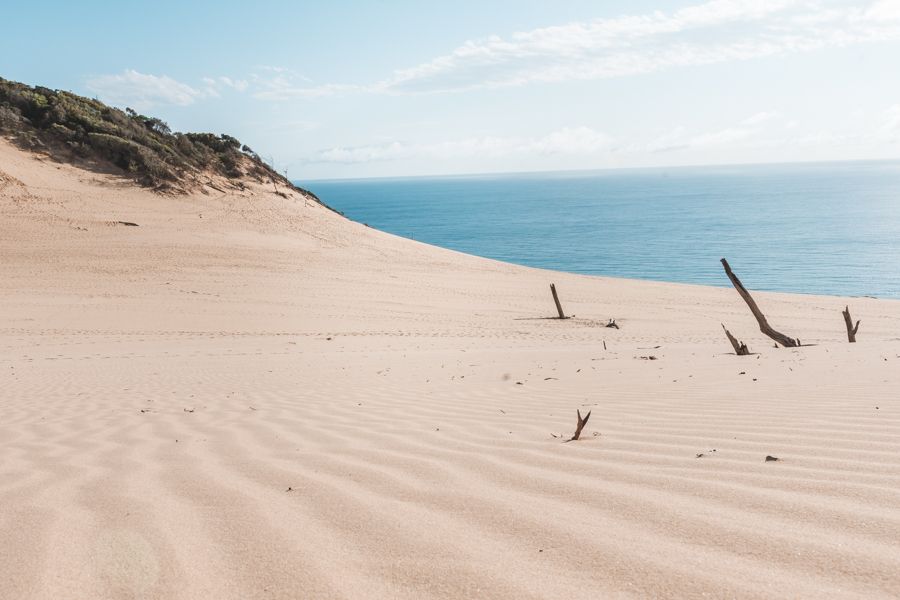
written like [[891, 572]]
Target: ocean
[[816, 228]]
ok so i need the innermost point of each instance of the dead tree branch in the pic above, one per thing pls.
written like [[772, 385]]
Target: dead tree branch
[[581, 424], [764, 326], [851, 330], [559, 309], [740, 348]]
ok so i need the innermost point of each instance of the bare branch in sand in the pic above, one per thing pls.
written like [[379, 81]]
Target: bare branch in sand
[[764, 326], [581, 424], [740, 348], [612, 324], [851, 329], [559, 309]]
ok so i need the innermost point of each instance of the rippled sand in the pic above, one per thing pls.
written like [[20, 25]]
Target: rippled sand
[[247, 396]]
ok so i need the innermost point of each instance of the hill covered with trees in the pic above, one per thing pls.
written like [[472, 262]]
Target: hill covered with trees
[[74, 128]]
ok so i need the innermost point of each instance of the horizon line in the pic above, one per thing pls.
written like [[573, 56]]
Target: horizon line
[[597, 170]]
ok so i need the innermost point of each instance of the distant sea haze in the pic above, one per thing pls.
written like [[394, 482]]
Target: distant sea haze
[[823, 228]]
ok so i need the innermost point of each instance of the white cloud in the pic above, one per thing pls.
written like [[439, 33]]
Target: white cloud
[[143, 91], [720, 137], [890, 129], [716, 31], [679, 138], [280, 83], [569, 140], [713, 32], [213, 86], [760, 117], [236, 84], [671, 140], [759, 135], [577, 140], [363, 154], [885, 9], [281, 88], [590, 50]]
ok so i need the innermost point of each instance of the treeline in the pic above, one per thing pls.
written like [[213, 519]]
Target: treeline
[[61, 123]]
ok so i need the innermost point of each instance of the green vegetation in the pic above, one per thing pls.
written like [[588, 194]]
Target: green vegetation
[[71, 127]]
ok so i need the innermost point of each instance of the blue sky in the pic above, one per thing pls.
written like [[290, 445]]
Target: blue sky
[[363, 89]]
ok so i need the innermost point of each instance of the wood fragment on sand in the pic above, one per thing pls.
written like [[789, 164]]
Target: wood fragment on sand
[[740, 348], [559, 308], [581, 423], [851, 329], [764, 326]]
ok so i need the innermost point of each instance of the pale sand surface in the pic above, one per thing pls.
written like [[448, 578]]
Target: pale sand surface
[[163, 387]]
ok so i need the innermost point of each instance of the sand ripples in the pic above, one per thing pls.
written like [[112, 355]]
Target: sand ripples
[[238, 474]]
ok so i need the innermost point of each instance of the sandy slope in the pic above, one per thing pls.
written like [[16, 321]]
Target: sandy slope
[[249, 397]]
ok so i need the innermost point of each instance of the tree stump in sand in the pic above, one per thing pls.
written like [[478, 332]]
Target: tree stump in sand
[[851, 329], [559, 309], [764, 326], [581, 424], [740, 348]]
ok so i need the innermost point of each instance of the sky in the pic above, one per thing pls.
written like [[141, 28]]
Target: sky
[[353, 88]]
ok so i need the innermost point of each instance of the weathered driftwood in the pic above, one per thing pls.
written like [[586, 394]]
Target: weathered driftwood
[[851, 329], [740, 348], [581, 424], [559, 309], [612, 324], [764, 326]]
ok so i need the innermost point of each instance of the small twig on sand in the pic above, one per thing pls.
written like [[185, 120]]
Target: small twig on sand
[[581, 424]]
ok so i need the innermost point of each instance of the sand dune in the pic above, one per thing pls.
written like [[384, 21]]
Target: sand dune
[[248, 396]]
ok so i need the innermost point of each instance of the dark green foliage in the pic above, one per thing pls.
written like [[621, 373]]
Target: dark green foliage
[[221, 143], [9, 117], [132, 157], [63, 124]]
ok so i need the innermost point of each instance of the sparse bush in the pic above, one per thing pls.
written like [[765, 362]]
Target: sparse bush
[[62, 131], [9, 117], [145, 147]]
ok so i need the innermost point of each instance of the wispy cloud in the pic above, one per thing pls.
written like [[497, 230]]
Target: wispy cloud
[[717, 31], [142, 91], [890, 129], [713, 32], [281, 83], [570, 140], [760, 118], [280, 88], [214, 84], [768, 130], [761, 131], [884, 9], [680, 139]]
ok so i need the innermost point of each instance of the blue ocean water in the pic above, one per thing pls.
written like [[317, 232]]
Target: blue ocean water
[[824, 228]]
